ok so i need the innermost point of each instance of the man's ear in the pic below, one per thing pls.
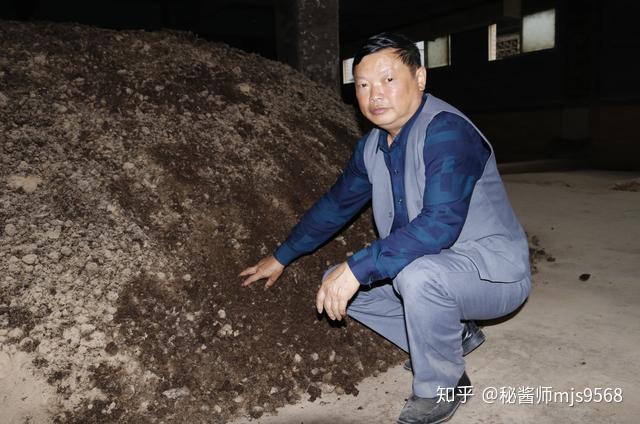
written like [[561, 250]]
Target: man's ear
[[421, 77]]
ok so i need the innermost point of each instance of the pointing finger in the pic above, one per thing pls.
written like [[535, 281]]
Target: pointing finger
[[255, 277], [248, 271]]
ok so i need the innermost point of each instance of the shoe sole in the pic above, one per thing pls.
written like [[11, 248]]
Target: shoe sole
[[448, 417]]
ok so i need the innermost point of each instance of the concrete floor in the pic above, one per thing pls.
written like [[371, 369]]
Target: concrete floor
[[571, 336]]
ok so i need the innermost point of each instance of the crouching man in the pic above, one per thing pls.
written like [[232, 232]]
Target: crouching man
[[451, 249]]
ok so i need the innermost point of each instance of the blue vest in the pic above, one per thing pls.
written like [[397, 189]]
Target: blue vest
[[492, 238]]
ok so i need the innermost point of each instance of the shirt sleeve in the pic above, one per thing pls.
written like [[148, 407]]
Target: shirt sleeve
[[331, 212], [455, 155]]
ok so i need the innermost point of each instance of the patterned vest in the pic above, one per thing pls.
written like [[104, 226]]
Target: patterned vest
[[492, 238]]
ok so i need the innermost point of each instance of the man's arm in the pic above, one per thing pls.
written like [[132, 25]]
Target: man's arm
[[454, 155], [329, 214]]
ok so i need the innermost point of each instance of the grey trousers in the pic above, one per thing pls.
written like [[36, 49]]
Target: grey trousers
[[421, 313]]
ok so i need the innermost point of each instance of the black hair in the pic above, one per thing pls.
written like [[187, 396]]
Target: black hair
[[405, 48]]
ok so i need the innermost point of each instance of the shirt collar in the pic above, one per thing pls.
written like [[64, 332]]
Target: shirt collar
[[399, 139]]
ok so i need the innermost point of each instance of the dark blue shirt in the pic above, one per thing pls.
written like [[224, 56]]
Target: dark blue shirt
[[455, 155]]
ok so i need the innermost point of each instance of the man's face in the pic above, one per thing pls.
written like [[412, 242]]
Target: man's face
[[388, 92]]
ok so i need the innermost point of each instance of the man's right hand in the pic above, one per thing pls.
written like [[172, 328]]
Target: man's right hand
[[268, 268]]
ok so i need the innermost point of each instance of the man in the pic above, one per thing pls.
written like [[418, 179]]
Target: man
[[449, 240]]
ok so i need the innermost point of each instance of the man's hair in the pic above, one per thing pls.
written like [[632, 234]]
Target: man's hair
[[404, 47]]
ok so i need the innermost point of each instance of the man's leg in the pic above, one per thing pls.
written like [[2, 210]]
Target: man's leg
[[380, 309], [438, 292], [472, 337]]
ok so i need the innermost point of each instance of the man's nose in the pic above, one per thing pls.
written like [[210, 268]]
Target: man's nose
[[376, 94]]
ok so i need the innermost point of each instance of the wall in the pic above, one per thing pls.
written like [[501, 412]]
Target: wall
[[580, 99]]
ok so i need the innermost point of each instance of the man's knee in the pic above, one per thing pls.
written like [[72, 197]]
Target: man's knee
[[421, 278]]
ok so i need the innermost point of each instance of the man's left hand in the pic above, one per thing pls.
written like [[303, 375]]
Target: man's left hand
[[336, 290]]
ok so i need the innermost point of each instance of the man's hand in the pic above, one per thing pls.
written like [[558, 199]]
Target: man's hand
[[268, 268], [336, 290]]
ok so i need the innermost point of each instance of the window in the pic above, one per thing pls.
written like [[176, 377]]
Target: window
[[439, 52], [535, 32], [438, 55], [539, 31], [347, 73]]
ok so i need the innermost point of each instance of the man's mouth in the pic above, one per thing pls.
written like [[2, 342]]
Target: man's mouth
[[378, 110]]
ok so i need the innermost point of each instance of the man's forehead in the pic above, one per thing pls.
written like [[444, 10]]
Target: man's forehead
[[379, 62]]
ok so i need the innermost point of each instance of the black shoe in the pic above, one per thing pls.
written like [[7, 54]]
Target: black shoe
[[435, 410], [472, 337]]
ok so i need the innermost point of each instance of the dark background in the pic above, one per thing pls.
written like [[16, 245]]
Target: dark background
[[578, 102]]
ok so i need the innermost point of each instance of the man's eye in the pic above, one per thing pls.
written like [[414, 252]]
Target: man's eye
[[389, 79], [362, 85]]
